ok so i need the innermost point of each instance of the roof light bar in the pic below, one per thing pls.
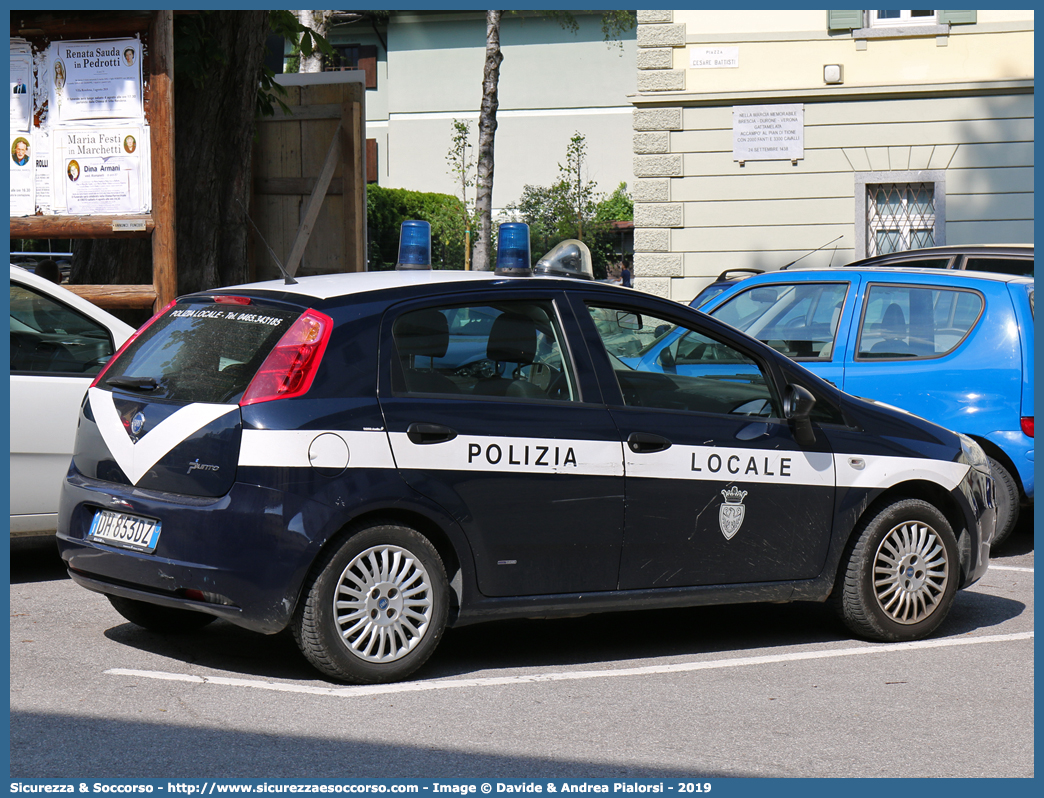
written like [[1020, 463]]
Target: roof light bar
[[569, 258], [513, 257], [414, 246]]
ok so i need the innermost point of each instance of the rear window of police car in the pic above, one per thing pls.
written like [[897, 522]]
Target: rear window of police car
[[203, 352]]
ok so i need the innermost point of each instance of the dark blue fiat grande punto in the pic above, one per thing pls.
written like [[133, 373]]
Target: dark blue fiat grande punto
[[370, 458]]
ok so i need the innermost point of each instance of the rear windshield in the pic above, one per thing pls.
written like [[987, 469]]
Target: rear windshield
[[200, 352]]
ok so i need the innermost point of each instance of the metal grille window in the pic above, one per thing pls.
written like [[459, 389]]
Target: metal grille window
[[900, 216]]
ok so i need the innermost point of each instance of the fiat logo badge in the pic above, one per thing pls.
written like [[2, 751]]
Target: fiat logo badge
[[137, 422]]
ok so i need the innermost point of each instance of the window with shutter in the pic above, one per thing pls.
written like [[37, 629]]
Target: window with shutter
[[962, 17], [844, 20], [861, 22], [355, 56]]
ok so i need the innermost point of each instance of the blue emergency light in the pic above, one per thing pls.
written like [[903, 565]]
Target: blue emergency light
[[513, 250], [414, 245]]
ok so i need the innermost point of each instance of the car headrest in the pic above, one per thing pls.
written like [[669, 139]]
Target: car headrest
[[423, 333], [894, 321], [512, 338]]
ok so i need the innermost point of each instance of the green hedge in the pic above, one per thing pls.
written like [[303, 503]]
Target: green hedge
[[388, 208]]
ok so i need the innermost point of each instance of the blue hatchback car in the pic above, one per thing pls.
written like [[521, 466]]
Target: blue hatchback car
[[955, 348]]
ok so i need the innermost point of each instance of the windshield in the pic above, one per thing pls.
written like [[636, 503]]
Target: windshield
[[798, 319], [202, 352]]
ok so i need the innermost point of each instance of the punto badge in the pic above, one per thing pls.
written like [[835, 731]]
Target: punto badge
[[730, 514]]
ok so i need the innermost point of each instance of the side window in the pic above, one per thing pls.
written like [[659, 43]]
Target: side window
[[908, 323], [798, 319], [1000, 265], [49, 338], [503, 349], [680, 368]]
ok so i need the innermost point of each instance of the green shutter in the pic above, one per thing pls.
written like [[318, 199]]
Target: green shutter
[[848, 20], [962, 17]]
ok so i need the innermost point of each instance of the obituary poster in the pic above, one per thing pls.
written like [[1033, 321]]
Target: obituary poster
[[99, 170], [22, 168], [96, 79], [20, 92], [41, 156]]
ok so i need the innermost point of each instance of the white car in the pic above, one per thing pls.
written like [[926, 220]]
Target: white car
[[59, 342]]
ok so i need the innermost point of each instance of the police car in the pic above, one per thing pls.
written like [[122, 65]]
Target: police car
[[337, 456]]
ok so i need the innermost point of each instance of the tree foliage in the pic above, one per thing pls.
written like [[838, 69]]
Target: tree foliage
[[570, 208], [461, 162], [578, 192], [614, 24]]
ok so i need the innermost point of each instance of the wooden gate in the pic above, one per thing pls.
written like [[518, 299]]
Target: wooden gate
[[309, 199]]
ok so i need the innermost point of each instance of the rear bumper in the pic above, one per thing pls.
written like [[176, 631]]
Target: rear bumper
[[248, 551], [1019, 448]]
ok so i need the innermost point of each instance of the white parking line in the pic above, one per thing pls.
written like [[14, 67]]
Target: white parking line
[[651, 670], [1010, 568]]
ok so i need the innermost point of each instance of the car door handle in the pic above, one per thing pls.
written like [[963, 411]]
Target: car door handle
[[647, 443], [430, 433]]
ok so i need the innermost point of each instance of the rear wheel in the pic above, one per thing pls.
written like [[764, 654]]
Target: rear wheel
[[156, 618], [1007, 495], [900, 574], [375, 608]]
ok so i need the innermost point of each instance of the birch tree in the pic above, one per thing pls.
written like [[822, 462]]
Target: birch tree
[[614, 25], [487, 134]]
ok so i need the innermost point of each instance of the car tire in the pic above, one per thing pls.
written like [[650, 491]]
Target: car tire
[[1007, 495], [156, 618], [900, 572], [375, 607]]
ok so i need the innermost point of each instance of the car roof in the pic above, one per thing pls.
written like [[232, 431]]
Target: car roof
[[896, 274], [948, 251], [329, 286], [45, 286]]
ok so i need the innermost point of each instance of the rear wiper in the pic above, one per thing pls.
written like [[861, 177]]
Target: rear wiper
[[134, 383]]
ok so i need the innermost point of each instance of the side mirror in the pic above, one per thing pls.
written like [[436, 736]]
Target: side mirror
[[628, 321], [797, 407], [666, 359]]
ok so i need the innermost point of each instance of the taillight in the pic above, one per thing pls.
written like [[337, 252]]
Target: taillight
[[130, 341], [232, 300], [1027, 425], [289, 369]]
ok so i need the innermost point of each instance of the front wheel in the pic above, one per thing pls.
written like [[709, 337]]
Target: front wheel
[[375, 608], [900, 574]]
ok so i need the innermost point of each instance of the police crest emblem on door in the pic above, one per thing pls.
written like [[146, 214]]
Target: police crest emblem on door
[[731, 513]]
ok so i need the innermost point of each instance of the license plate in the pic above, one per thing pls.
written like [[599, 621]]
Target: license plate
[[125, 531]]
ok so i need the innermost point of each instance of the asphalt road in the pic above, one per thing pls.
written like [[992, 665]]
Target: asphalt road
[[748, 691]]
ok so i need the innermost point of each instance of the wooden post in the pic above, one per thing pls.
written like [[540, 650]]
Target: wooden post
[[164, 235], [353, 177]]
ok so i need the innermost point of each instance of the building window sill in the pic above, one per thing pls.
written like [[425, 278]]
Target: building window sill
[[901, 32]]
